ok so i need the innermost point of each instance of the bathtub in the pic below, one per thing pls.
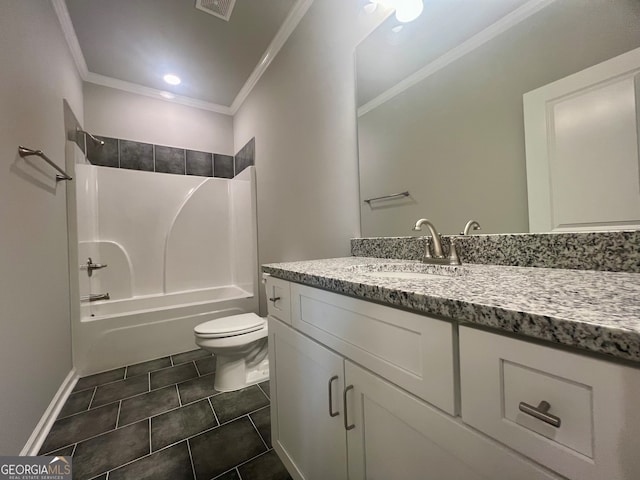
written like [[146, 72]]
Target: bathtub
[[115, 333]]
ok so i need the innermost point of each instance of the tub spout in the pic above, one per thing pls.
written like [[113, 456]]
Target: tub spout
[[95, 297]]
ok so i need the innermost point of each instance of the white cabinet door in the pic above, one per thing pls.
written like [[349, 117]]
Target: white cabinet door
[[397, 436], [310, 442], [583, 170]]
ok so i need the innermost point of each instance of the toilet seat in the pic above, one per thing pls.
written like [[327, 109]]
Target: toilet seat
[[230, 326]]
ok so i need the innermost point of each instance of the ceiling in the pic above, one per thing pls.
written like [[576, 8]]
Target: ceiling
[[139, 41]]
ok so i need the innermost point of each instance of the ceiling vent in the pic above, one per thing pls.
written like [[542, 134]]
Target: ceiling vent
[[219, 8]]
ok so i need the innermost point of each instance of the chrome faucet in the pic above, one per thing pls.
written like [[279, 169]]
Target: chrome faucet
[[438, 256], [90, 266], [470, 224]]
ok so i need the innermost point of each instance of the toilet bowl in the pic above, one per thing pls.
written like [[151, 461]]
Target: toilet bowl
[[239, 343]]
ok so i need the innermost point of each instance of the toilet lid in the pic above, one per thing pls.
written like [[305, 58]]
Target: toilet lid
[[230, 326]]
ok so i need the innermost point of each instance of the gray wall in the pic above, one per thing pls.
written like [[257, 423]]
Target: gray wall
[[35, 345], [302, 114], [459, 134], [118, 114]]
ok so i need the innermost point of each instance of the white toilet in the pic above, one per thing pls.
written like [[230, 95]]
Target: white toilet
[[239, 343]]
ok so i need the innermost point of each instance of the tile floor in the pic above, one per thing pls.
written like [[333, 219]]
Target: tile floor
[[163, 419]]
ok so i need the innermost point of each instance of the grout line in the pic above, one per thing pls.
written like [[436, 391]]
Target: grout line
[[171, 358], [193, 468], [126, 370], [149, 380], [243, 415], [74, 449], [263, 391], [150, 446], [251, 459], [95, 389], [197, 369], [179, 399], [214, 411], [107, 477], [258, 432], [238, 472], [118, 417]]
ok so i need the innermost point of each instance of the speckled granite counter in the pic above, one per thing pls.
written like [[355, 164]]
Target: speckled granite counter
[[595, 311]]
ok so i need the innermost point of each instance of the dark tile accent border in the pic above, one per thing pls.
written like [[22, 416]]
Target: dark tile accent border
[[246, 157], [605, 251], [170, 160], [199, 163], [223, 166], [133, 155], [136, 155]]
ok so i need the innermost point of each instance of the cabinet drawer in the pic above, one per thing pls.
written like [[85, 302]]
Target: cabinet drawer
[[413, 351], [587, 424], [278, 298]]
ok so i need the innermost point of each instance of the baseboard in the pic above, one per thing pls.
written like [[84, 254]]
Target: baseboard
[[32, 447]]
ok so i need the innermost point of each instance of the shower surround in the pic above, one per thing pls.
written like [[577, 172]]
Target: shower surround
[[178, 248]]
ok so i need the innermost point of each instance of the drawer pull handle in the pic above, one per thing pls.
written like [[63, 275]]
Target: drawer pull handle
[[274, 299], [331, 412], [541, 412], [344, 399]]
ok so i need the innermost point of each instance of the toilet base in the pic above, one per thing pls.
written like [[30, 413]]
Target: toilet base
[[232, 373]]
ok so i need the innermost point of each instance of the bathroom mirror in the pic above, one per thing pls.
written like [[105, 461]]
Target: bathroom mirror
[[440, 107]]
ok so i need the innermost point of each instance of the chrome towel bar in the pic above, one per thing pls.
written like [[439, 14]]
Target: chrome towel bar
[[385, 197], [27, 152]]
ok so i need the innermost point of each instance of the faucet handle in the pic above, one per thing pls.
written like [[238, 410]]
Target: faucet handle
[[453, 254]]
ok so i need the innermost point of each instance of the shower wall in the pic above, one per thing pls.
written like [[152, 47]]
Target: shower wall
[[163, 233]]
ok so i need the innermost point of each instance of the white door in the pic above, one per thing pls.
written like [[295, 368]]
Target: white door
[[397, 436], [581, 132], [306, 426]]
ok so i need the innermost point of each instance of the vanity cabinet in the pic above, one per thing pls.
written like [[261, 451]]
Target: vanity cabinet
[[589, 425], [364, 391]]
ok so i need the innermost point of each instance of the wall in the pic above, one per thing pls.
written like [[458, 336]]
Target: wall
[[302, 114], [118, 114], [456, 139], [35, 345]]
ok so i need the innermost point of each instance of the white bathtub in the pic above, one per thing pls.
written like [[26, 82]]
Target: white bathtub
[[115, 333]]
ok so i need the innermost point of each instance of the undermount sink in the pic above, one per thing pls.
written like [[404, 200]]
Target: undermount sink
[[409, 270]]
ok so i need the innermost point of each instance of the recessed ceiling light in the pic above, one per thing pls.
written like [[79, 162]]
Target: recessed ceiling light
[[172, 79], [167, 95]]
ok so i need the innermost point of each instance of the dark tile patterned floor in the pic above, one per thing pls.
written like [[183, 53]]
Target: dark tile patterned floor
[[163, 419]]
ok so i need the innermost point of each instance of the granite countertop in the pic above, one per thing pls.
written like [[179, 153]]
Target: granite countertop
[[594, 311]]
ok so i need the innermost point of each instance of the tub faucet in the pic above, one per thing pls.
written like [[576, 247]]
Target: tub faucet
[[438, 257], [470, 224], [94, 297]]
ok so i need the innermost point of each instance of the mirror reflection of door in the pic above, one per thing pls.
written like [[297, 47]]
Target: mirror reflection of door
[[583, 169]]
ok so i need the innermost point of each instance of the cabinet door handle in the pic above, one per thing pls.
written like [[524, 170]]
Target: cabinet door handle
[[541, 412], [331, 412], [344, 400], [274, 299]]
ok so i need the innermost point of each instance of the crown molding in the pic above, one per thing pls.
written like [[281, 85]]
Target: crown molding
[[285, 31], [505, 23], [69, 32], [155, 93]]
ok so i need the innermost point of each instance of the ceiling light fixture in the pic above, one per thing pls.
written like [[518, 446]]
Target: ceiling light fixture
[[370, 7], [408, 10], [167, 95], [172, 79]]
